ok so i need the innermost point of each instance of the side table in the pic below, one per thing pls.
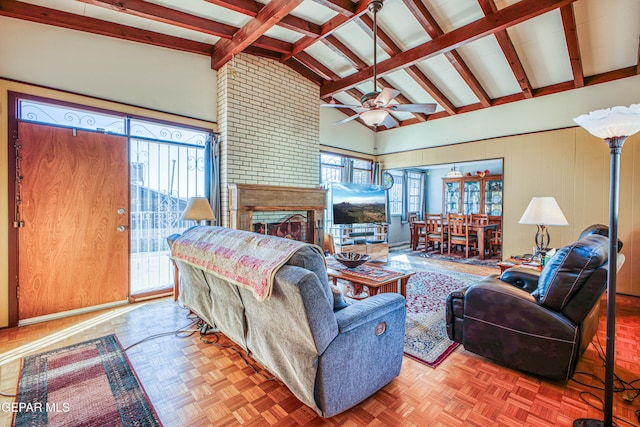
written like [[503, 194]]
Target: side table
[[518, 262]]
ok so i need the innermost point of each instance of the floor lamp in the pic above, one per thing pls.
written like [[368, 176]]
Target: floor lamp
[[614, 125]]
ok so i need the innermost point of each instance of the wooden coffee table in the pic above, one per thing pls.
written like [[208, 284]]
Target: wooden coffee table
[[376, 276]]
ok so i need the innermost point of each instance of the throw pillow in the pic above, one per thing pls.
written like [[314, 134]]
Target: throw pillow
[[338, 299]]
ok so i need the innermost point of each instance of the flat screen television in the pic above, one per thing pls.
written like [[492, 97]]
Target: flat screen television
[[358, 204]]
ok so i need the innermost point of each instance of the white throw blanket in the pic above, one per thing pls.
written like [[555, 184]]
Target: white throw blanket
[[246, 259]]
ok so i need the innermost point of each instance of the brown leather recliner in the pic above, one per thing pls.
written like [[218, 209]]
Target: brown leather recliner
[[537, 322]]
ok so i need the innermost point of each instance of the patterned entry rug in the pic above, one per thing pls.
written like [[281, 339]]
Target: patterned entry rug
[[85, 384], [426, 337]]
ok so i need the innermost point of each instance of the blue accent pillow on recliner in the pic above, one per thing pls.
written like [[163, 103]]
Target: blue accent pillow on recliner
[[568, 269]]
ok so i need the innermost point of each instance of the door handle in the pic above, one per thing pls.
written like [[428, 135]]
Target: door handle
[[121, 228], [120, 211]]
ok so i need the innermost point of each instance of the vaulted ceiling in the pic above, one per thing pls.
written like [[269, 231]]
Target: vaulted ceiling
[[463, 55]]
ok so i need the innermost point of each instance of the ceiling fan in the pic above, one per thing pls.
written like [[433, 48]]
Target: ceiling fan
[[375, 106]]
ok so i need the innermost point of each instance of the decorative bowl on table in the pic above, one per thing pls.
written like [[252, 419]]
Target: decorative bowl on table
[[351, 259]]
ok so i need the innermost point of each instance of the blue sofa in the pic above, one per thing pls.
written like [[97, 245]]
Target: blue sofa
[[331, 356]]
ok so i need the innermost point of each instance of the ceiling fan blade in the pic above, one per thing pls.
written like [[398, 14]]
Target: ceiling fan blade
[[353, 107], [386, 96], [348, 119], [389, 122], [413, 108]]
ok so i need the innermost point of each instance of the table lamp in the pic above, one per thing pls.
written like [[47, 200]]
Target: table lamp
[[614, 125], [543, 212], [199, 210]]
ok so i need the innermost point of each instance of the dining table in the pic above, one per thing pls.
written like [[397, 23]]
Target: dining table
[[479, 230]]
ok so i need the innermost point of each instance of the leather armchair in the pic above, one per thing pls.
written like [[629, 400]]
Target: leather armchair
[[537, 322]]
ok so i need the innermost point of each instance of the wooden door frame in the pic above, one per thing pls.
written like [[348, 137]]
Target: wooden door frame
[[12, 232]]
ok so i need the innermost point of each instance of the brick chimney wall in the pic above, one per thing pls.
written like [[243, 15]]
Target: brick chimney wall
[[269, 124]]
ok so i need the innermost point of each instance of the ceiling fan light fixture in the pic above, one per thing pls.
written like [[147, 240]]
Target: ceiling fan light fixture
[[374, 117]]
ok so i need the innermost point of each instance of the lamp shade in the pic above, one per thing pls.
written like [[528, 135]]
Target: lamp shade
[[198, 209], [543, 211], [454, 173], [374, 117], [611, 122]]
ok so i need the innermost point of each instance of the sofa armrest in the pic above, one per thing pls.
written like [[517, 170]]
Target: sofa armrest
[[367, 310], [454, 314], [495, 302], [366, 354], [521, 277]]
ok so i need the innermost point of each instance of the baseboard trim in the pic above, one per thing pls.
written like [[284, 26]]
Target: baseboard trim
[[68, 313]]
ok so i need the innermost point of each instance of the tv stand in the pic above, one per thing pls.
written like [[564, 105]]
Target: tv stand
[[368, 239]]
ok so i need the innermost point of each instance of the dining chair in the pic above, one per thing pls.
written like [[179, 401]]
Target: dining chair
[[417, 231], [494, 242], [480, 219], [436, 233], [329, 246], [459, 234]]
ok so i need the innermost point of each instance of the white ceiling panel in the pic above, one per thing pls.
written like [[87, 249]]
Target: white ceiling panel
[[489, 65], [312, 11], [608, 32], [400, 24], [542, 49], [283, 34], [329, 58], [442, 74], [206, 10], [452, 14], [70, 6]]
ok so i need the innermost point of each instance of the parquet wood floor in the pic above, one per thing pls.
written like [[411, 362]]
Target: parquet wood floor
[[192, 383]]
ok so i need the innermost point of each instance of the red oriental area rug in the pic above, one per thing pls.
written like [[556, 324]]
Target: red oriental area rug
[[87, 384], [426, 337]]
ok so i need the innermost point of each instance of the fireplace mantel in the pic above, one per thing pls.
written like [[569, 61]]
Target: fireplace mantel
[[244, 199]]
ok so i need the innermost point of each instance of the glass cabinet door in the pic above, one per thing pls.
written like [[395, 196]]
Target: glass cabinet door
[[471, 197], [452, 197], [493, 197]]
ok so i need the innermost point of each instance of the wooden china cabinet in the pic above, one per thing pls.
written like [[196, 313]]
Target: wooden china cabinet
[[472, 195]]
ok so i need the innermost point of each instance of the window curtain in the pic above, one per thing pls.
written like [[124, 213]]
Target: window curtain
[[347, 175], [405, 196], [376, 173], [424, 182], [213, 174]]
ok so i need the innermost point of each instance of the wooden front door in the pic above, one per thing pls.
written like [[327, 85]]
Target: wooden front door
[[73, 248]]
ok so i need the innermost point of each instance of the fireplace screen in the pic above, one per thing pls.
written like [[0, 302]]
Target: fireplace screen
[[292, 227]]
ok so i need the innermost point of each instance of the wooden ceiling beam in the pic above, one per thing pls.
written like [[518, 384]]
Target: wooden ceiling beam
[[268, 16], [509, 51], [430, 25], [174, 17], [327, 28], [298, 67], [414, 72], [72, 21], [384, 41], [166, 15], [500, 20], [392, 49], [347, 54], [251, 8], [316, 66], [425, 83], [571, 37], [343, 7]]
